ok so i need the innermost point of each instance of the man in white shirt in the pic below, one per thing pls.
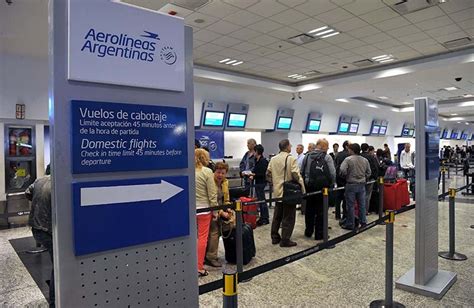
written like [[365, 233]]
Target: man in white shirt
[[300, 155], [406, 162]]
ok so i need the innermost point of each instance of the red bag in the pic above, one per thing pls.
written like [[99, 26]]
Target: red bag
[[402, 191], [250, 211], [390, 197]]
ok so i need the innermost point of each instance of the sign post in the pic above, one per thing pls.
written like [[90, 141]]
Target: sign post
[[425, 278], [121, 112]]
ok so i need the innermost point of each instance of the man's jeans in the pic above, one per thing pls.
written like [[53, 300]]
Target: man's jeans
[[355, 192], [260, 192], [46, 240]]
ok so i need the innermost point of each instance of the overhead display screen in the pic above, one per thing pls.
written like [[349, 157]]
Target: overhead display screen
[[454, 135], [383, 130], [314, 125], [343, 127], [354, 128], [237, 120], [375, 130], [445, 134], [212, 118], [284, 123]]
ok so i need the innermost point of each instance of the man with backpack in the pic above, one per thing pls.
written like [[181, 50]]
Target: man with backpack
[[374, 169], [341, 181], [318, 172]]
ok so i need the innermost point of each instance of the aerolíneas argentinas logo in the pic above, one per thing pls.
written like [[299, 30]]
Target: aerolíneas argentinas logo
[[121, 45]]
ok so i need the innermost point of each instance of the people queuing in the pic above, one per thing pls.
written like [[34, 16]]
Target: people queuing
[[352, 168]]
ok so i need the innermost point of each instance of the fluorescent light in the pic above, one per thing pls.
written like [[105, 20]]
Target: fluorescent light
[[454, 114], [237, 63], [407, 109], [225, 60], [451, 88], [342, 100], [372, 106], [385, 61], [318, 29], [395, 109], [383, 97], [294, 75], [378, 57], [458, 122], [384, 58], [329, 35], [324, 32], [467, 123], [456, 119], [393, 72], [406, 103], [467, 104], [232, 61]]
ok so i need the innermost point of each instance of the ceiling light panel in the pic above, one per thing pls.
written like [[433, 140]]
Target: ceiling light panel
[[297, 76], [229, 61], [383, 58], [451, 88], [342, 100]]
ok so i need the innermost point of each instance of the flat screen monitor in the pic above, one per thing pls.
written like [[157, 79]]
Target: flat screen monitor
[[354, 128], [383, 130], [314, 125], [237, 120], [284, 123], [445, 134], [454, 135], [411, 132], [464, 136], [343, 127], [375, 130], [214, 118]]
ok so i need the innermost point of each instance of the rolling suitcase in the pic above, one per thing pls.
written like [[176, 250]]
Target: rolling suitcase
[[250, 212], [402, 192], [248, 245], [390, 197]]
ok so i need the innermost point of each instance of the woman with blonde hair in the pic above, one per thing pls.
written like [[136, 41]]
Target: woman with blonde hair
[[206, 196]]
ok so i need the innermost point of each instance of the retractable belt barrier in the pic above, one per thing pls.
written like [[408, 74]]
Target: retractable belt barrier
[[249, 274]]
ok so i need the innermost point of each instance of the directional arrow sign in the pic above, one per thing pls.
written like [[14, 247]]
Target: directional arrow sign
[[114, 214], [128, 193]]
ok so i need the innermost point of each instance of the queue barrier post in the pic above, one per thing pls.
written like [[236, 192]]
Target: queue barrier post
[[452, 254], [270, 204], [325, 216], [229, 291], [381, 190], [443, 184], [238, 236], [449, 171], [388, 301]]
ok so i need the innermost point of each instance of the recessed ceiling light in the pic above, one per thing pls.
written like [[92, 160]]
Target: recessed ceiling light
[[297, 76], [329, 35], [393, 72], [342, 100], [395, 110], [467, 104], [324, 32], [459, 122], [372, 106], [229, 61], [383, 58], [379, 57], [454, 114], [451, 88], [467, 123], [317, 30], [383, 97], [456, 119], [388, 60], [406, 103]]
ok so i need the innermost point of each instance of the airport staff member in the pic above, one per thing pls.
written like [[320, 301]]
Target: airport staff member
[[284, 214], [39, 193], [406, 162], [356, 170]]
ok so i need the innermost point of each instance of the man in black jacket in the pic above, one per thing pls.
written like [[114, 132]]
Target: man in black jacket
[[259, 174], [374, 169], [341, 181]]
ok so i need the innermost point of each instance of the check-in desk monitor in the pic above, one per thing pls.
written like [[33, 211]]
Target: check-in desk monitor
[[236, 116], [284, 119], [214, 119], [284, 123]]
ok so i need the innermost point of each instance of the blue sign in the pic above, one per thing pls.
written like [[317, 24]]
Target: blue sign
[[109, 137], [213, 140], [115, 214]]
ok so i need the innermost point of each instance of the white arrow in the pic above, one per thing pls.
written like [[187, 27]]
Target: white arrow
[[128, 193]]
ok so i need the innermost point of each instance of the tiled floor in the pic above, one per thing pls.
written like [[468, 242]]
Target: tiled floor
[[351, 275]]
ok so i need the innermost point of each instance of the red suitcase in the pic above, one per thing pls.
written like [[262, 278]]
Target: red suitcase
[[250, 211], [390, 197], [402, 191]]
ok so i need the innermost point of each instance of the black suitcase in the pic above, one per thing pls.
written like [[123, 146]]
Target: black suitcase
[[248, 245], [374, 201]]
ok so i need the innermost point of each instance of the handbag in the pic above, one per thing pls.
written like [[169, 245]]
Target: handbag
[[292, 192], [227, 225]]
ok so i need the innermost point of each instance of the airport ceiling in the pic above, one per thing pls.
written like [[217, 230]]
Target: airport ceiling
[[256, 33]]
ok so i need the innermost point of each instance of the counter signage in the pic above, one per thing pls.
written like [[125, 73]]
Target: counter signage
[[146, 51], [110, 137]]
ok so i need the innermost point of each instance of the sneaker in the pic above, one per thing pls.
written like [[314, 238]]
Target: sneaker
[[344, 226], [288, 243], [276, 241], [213, 263]]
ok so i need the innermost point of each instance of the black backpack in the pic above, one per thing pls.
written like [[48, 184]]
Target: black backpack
[[319, 175]]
